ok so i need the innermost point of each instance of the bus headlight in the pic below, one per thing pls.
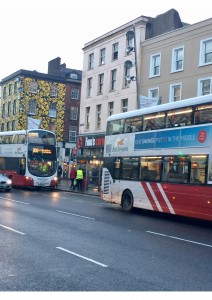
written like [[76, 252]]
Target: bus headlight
[[55, 178]]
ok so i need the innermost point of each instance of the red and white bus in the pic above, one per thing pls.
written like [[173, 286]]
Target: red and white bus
[[160, 158], [29, 157]]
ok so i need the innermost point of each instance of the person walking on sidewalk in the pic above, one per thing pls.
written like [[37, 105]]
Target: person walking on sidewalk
[[72, 177], [79, 178]]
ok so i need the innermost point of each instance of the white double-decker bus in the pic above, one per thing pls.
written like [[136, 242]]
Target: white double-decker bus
[[29, 157], [160, 158]]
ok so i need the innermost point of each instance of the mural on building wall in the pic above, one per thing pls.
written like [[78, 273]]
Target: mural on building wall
[[43, 93]]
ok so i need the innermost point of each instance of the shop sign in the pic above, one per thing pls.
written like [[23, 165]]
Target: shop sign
[[91, 141]]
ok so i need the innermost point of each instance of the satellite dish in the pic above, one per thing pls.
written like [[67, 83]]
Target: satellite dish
[[129, 49], [130, 35], [128, 79], [128, 64]]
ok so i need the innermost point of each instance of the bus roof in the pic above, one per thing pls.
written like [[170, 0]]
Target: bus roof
[[162, 107], [22, 131]]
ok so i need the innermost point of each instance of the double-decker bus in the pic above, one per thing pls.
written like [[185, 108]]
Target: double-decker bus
[[29, 157], [160, 158]]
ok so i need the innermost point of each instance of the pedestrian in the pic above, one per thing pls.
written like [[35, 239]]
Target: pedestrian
[[72, 177], [59, 173], [79, 178]]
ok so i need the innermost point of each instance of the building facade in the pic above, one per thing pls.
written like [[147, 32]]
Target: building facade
[[105, 91], [53, 99], [178, 65], [173, 61]]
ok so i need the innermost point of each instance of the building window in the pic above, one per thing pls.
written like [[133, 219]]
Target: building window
[[101, 83], [14, 107], [205, 86], [53, 91], [15, 87], [124, 105], [33, 87], [89, 90], [175, 92], [73, 134], [98, 116], [205, 52], [4, 92], [102, 57], [13, 125], [155, 65], [153, 93], [32, 107], [73, 113], [115, 51], [75, 94], [53, 110], [87, 118], [177, 59], [74, 76], [90, 61], [113, 80], [9, 109], [3, 110], [10, 89], [8, 126], [110, 108], [2, 127]]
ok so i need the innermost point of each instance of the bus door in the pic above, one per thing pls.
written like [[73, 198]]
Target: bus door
[[18, 178], [115, 184]]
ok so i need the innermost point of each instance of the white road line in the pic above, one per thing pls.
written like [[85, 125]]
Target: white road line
[[176, 238], [67, 213], [11, 229], [14, 200], [83, 257]]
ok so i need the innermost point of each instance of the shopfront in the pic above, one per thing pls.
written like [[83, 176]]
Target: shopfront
[[90, 158]]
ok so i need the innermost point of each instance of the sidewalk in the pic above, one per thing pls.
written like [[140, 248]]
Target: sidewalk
[[64, 185]]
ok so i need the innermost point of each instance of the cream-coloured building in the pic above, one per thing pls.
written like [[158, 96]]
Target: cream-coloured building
[[104, 88], [178, 65]]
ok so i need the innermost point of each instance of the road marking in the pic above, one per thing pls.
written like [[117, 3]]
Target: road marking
[[177, 238], [9, 228], [14, 200], [67, 213], [83, 257]]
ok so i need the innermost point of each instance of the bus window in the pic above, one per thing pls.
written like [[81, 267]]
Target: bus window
[[115, 127], [198, 169], [22, 166], [15, 139], [21, 138], [203, 114], [150, 168], [176, 169], [117, 168], [5, 139], [179, 117], [154, 121], [133, 124], [130, 168], [2, 163]]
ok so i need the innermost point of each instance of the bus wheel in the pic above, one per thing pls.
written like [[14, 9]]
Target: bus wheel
[[127, 200]]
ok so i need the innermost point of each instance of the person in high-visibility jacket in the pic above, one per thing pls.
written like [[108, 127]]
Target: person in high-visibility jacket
[[79, 178]]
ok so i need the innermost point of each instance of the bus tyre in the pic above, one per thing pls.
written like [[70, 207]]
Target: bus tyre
[[127, 201]]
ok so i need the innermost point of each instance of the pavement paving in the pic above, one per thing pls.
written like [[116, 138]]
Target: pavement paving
[[64, 185]]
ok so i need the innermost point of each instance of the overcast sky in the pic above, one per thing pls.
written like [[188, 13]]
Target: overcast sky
[[35, 32]]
